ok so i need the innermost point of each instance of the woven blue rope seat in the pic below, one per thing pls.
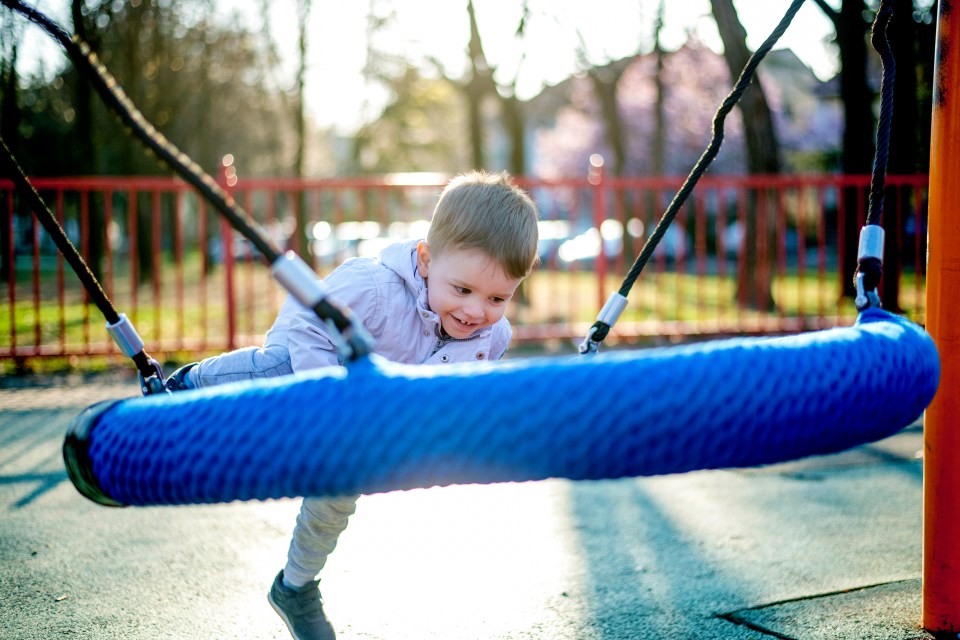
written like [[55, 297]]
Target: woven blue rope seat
[[377, 426]]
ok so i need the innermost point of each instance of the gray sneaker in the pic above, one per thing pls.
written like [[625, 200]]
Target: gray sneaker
[[301, 610]]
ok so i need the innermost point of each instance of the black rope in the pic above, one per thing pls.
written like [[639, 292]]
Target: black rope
[[881, 43], [600, 329], [146, 365], [113, 96], [871, 268], [49, 222]]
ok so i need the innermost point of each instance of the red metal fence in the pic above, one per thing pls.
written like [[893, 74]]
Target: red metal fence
[[745, 255]]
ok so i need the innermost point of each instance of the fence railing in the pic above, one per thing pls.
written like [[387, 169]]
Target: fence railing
[[745, 255]]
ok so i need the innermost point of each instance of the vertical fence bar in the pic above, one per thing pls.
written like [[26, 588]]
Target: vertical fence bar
[[84, 196], [801, 224], [203, 240], [680, 264], [35, 234], [780, 271], [108, 239], [700, 253], [595, 177], [822, 249], [11, 271], [178, 260], [61, 288], [132, 226], [108, 266], [227, 180], [247, 260], [271, 224], [941, 473], [226, 233], [156, 266], [919, 273]]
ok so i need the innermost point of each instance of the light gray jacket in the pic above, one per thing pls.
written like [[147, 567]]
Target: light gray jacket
[[390, 297]]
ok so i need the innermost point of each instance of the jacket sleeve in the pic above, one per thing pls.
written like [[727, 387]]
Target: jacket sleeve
[[353, 284], [500, 340]]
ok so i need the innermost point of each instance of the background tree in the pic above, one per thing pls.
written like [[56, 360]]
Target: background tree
[[301, 239], [416, 131], [202, 83], [911, 28], [9, 120], [660, 125], [912, 35], [755, 270], [417, 128], [857, 150], [477, 88], [512, 108], [694, 81], [86, 157]]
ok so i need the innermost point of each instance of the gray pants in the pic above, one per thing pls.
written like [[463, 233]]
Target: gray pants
[[321, 520], [249, 363]]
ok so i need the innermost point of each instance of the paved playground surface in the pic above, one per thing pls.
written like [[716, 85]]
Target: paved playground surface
[[826, 547]]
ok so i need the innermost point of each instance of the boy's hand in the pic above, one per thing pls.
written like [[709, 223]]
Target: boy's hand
[[178, 379]]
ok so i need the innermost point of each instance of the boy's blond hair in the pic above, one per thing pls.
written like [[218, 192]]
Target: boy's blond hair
[[487, 211]]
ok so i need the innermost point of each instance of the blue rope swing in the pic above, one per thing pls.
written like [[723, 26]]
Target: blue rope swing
[[743, 402]]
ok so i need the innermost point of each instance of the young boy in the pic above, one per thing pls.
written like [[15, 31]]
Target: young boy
[[436, 301]]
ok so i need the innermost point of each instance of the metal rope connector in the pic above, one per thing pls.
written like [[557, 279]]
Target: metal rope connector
[[299, 279], [152, 384], [125, 336], [131, 345], [350, 337], [869, 267], [607, 317]]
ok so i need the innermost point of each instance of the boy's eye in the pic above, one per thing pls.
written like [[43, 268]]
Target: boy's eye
[[461, 290], [497, 300]]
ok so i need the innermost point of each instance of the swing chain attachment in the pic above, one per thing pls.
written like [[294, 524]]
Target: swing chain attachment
[[607, 317], [131, 345], [869, 267], [152, 384], [349, 336]]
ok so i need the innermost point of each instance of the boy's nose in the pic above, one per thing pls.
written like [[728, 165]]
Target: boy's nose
[[473, 310]]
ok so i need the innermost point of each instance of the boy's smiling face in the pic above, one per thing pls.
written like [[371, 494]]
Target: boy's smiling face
[[466, 288]]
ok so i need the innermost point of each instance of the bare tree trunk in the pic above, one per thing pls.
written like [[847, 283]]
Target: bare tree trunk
[[301, 241], [904, 140], [513, 120], [9, 131], [478, 87], [658, 164], [606, 82], [754, 272], [10, 107], [137, 44], [83, 135], [858, 131]]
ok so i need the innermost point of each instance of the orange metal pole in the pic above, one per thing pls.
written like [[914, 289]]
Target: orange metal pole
[[941, 469]]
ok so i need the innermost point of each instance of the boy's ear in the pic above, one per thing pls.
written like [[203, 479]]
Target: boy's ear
[[423, 258]]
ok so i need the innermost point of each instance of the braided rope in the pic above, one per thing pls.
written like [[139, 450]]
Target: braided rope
[[146, 365], [601, 329], [878, 37], [49, 222], [113, 96]]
